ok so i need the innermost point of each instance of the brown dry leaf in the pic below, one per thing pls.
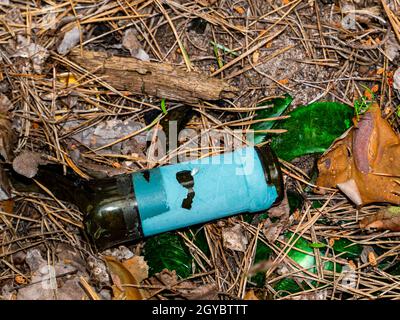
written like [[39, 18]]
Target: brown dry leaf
[[234, 238], [70, 39], [167, 277], [27, 163], [41, 280], [385, 219], [272, 230], [138, 267], [121, 276], [362, 163], [250, 295], [282, 210], [34, 54], [130, 42]]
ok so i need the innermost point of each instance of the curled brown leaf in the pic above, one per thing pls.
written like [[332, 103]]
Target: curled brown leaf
[[363, 162], [123, 279]]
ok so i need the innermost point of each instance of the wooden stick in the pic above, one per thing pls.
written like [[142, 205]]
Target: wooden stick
[[155, 79]]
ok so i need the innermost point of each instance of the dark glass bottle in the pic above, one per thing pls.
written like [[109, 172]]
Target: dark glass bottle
[[129, 207]]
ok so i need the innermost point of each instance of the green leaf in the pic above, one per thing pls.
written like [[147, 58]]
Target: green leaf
[[317, 245], [398, 111], [163, 107], [168, 251], [222, 47], [219, 60], [278, 106], [311, 129]]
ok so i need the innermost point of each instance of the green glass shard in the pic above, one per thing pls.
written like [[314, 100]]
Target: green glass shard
[[286, 286], [388, 266], [305, 258], [263, 253], [198, 236], [311, 129], [347, 248], [168, 251], [316, 204], [278, 107]]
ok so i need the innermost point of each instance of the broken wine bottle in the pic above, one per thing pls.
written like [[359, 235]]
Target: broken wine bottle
[[130, 207]]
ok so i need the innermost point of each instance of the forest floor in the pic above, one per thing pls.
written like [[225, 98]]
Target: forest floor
[[67, 113]]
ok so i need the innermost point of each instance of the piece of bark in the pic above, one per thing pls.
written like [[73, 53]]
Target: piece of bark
[[155, 79]]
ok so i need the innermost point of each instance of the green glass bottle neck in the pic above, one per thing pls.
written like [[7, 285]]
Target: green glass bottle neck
[[69, 187]]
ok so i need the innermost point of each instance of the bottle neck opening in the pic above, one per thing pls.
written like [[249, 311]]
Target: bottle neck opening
[[272, 170]]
